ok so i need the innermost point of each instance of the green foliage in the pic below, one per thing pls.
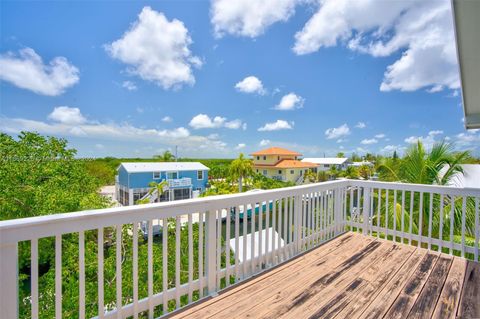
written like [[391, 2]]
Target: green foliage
[[262, 182], [167, 156], [39, 176], [241, 168], [351, 172]]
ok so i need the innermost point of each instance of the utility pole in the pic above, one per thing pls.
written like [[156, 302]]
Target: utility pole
[[176, 153]]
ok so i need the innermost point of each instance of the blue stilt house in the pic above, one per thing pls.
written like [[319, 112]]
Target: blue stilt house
[[185, 180]]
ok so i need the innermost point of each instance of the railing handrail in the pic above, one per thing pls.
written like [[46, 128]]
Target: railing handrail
[[438, 189], [16, 230]]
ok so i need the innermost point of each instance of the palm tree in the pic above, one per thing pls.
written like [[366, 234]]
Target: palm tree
[[434, 167], [351, 172], [241, 168], [167, 156], [154, 187]]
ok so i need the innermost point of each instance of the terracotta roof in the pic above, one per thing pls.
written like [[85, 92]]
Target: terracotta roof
[[289, 164], [276, 151]]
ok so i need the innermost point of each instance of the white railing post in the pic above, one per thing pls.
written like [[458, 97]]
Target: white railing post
[[366, 209], [297, 213], [211, 251], [337, 211], [9, 280]]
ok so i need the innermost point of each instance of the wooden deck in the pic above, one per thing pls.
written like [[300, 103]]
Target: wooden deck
[[354, 276]]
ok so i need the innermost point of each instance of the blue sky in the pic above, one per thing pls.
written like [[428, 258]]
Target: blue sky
[[218, 78]]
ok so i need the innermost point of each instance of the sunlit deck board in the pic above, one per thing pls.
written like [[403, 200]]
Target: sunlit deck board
[[354, 276]]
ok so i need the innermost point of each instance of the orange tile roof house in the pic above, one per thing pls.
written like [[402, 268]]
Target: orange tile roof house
[[281, 164]]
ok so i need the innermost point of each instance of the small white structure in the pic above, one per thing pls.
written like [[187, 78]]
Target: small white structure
[[277, 240], [358, 164], [469, 179], [325, 163]]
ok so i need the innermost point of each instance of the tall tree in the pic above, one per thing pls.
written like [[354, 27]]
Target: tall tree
[[436, 166], [340, 154], [167, 156], [241, 168]]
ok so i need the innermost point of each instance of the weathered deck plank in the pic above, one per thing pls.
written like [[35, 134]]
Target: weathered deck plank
[[426, 301], [470, 302], [447, 304], [354, 276]]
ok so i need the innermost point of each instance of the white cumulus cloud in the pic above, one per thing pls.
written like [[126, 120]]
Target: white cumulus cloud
[[27, 71], [240, 146], [276, 126], [421, 30], [361, 125], [249, 18], [67, 115], [290, 102], [380, 136], [129, 85], [369, 141], [264, 142], [428, 140], [337, 132], [157, 50], [250, 84], [204, 121], [167, 119]]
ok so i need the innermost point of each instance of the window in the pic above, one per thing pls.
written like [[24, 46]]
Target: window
[[278, 158], [172, 175], [156, 175], [182, 193], [292, 171], [326, 165], [257, 170], [199, 175], [280, 172], [265, 172], [264, 158]]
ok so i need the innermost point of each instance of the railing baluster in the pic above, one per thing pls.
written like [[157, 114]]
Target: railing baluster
[[394, 216], [430, 213], [58, 276], [237, 242], [371, 211], [452, 208], [200, 254], [177, 261], [290, 226], [284, 225], [219, 247], [359, 194], [420, 220], [81, 278], [344, 221], [464, 212], [410, 229], [244, 233], [477, 230], [274, 235], [387, 211], [351, 208], [165, 265], [267, 234], [252, 238], [118, 257], [260, 239], [135, 270], [279, 227], [101, 305], [440, 226], [190, 257], [379, 204], [150, 268], [34, 276], [227, 248], [402, 228]]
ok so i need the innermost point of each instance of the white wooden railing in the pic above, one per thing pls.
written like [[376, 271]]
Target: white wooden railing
[[223, 245]]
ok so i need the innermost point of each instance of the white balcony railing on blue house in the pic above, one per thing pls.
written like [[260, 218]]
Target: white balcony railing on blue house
[[293, 220]]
